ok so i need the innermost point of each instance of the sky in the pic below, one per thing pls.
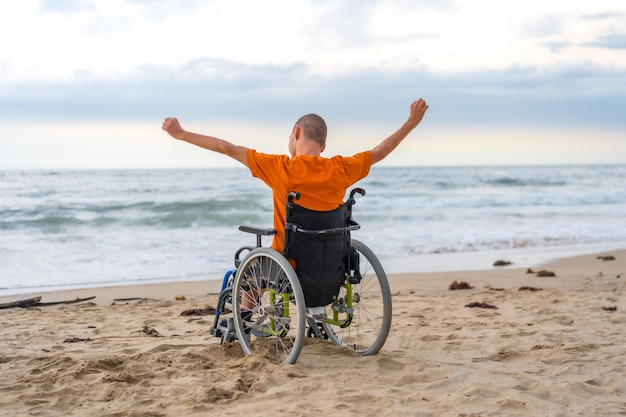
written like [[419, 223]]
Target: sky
[[86, 83]]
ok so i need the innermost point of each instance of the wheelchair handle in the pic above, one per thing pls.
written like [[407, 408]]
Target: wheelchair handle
[[354, 191], [293, 195], [357, 190]]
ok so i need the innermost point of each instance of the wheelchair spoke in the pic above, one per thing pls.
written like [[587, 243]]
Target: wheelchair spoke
[[269, 306], [371, 308]]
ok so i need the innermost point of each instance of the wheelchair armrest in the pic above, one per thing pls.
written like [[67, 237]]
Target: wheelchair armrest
[[267, 231]]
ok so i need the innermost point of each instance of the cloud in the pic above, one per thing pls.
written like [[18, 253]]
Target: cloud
[[556, 47], [65, 7], [151, 8], [604, 15], [362, 61], [208, 88], [612, 41], [611, 33], [543, 26], [357, 23]]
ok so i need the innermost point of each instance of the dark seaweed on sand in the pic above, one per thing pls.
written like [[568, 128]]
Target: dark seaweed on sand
[[460, 285], [476, 304], [533, 289]]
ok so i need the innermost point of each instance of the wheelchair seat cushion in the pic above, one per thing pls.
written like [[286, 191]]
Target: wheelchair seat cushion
[[320, 257]]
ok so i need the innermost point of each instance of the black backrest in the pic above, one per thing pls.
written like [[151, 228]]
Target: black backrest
[[320, 257]]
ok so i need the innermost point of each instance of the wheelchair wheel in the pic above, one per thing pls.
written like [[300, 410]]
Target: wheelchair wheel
[[268, 306], [371, 319]]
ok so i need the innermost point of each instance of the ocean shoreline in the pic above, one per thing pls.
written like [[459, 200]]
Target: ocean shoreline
[[483, 260], [453, 262]]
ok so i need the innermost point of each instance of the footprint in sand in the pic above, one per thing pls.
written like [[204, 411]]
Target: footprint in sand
[[390, 364]]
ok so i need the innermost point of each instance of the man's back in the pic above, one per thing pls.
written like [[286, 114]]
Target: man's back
[[321, 182]]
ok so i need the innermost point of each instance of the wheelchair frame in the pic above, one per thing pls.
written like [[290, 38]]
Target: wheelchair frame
[[278, 320]]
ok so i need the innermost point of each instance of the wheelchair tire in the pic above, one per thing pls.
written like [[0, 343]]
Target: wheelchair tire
[[275, 324], [371, 319]]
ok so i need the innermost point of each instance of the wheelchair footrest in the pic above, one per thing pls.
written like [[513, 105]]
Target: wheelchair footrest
[[224, 329]]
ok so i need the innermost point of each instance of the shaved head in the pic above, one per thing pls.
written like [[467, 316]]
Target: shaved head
[[314, 128]]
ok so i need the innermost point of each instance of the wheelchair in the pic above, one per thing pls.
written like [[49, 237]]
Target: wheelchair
[[337, 291]]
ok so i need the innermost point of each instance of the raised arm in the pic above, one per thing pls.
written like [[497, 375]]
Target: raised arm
[[173, 127], [384, 148]]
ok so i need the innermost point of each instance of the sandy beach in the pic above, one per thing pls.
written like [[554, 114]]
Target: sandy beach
[[552, 346]]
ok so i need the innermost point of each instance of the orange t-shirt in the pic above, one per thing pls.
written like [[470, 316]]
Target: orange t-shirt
[[321, 182]]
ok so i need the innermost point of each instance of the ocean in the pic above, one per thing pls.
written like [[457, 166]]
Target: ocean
[[73, 229]]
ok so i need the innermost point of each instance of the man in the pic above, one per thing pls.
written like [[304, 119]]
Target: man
[[322, 182]]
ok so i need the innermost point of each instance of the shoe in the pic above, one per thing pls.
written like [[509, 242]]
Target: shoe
[[246, 315]]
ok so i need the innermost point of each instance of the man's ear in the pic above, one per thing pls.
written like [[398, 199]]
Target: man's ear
[[322, 148], [296, 132]]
